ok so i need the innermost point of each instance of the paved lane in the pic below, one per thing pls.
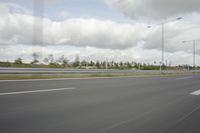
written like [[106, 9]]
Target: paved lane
[[118, 105], [11, 70]]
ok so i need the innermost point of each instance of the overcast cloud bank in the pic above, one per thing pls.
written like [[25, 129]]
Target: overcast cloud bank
[[19, 27]]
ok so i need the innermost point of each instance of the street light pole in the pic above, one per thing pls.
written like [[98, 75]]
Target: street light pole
[[163, 40], [194, 52], [163, 45]]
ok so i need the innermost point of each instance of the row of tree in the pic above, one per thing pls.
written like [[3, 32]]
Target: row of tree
[[63, 62]]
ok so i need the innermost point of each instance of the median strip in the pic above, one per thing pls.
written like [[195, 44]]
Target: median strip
[[34, 91]]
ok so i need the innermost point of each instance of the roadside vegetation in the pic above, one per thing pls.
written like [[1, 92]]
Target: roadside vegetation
[[63, 62]]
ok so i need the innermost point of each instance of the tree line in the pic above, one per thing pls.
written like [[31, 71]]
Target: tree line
[[62, 62]]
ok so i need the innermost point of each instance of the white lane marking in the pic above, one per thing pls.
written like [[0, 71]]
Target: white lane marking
[[34, 91], [196, 93], [184, 78]]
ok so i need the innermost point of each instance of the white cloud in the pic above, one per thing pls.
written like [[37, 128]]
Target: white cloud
[[175, 33], [97, 39], [18, 28], [155, 9], [25, 29]]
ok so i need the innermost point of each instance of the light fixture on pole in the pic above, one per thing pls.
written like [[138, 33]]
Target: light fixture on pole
[[194, 51], [163, 38]]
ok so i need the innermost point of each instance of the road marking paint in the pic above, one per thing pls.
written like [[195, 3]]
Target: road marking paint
[[34, 91], [183, 78], [196, 93]]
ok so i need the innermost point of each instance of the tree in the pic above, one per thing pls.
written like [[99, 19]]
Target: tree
[[98, 64], [91, 63], [84, 63], [121, 64], [46, 60], [129, 65], [116, 65], [49, 59], [76, 62], [18, 61], [35, 58], [112, 63], [103, 64], [63, 60]]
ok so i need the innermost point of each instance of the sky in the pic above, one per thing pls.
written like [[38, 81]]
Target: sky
[[100, 29]]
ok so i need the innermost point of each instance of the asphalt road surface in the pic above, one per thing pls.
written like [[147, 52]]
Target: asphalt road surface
[[7, 70], [56, 70], [112, 105]]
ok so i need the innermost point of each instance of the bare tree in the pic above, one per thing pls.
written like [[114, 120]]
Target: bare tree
[[46, 60], [51, 58], [35, 58], [63, 60]]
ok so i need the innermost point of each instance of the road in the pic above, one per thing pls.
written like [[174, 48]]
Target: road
[[110, 105], [11, 70], [57, 70]]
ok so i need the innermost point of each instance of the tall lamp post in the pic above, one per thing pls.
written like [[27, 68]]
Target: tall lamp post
[[163, 38], [194, 51]]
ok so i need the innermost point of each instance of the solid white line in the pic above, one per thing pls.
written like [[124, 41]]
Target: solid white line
[[184, 78], [34, 91], [196, 93]]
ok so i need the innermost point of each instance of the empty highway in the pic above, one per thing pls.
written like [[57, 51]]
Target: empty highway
[[104, 105]]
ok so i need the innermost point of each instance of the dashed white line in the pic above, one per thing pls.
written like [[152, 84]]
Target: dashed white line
[[196, 93], [183, 78], [34, 91]]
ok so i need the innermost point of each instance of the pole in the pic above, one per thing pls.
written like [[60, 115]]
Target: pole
[[163, 40], [194, 54], [163, 46]]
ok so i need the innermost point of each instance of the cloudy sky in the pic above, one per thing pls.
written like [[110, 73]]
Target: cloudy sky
[[99, 29]]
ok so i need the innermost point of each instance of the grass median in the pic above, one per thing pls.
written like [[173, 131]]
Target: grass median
[[43, 76], [102, 75]]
